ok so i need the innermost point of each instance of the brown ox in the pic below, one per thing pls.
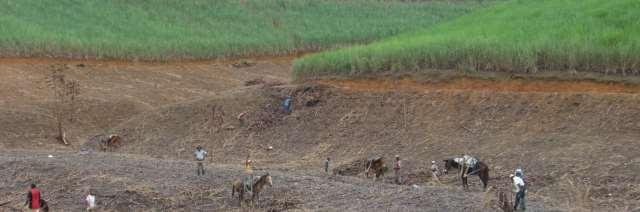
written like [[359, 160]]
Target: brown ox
[[375, 166]]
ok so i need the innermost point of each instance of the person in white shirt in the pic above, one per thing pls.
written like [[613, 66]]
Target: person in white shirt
[[519, 172], [434, 171], [519, 188], [469, 165], [200, 155], [91, 201]]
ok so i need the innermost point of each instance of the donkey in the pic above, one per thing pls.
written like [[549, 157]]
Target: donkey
[[258, 186], [481, 169]]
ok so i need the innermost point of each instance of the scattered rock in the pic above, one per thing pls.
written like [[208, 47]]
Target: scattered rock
[[243, 64], [311, 102], [258, 81]]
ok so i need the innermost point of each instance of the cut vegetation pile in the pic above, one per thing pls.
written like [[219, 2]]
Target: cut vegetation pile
[[515, 36], [161, 30]]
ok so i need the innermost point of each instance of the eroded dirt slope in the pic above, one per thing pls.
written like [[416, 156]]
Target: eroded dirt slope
[[586, 139], [113, 92], [576, 140]]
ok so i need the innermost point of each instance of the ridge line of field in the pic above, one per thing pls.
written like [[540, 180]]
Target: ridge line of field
[[113, 61], [482, 85]]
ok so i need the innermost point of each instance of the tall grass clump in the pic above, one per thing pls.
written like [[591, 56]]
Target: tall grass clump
[[516, 36], [162, 29]]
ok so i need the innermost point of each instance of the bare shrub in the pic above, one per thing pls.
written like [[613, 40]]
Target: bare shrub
[[578, 194], [504, 201], [65, 94]]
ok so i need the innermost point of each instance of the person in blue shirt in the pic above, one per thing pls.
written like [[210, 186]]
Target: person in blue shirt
[[287, 104]]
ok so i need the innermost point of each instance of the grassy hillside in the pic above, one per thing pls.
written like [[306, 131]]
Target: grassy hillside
[[514, 36], [161, 29]]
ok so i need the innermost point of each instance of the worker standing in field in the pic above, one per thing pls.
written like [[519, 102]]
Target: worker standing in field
[[519, 188], [396, 168], [326, 164], [435, 172], [469, 165], [91, 201], [248, 170], [34, 197], [287, 104], [200, 155], [519, 172]]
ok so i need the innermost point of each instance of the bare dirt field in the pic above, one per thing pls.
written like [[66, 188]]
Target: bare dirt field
[[577, 140]]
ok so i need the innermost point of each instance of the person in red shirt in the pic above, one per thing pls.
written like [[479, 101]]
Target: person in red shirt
[[33, 198], [396, 168]]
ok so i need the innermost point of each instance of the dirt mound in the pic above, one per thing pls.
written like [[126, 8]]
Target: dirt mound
[[361, 166], [352, 168], [230, 125], [358, 167]]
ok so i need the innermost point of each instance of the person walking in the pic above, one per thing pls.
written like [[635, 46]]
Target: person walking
[[91, 201], [200, 155], [435, 172], [34, 197], [519, 188], [326, 164], [396, 168]]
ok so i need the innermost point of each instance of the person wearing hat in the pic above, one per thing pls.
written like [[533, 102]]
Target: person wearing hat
[[396, 168], [519, 172], [200, 155], [519, 188], [248, 170], [435, 171]]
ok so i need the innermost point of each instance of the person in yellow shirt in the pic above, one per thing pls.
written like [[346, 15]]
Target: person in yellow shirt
[[248, 170]]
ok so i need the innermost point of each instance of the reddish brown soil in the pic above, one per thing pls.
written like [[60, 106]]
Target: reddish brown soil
[[470, 84]]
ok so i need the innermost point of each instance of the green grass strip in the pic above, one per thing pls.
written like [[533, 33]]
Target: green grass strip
[[197, 29], [522, 36]]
